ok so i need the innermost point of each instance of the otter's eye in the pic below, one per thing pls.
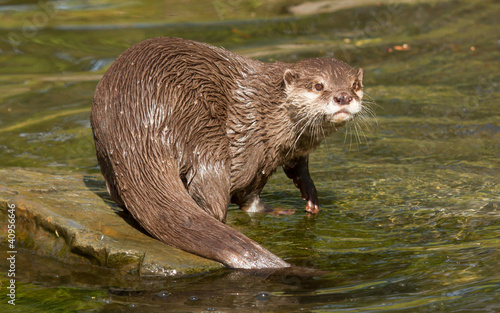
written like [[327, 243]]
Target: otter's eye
[[319, 87], [356, 86]]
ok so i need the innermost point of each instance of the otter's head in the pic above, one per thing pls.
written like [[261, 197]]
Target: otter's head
[[323, 90]]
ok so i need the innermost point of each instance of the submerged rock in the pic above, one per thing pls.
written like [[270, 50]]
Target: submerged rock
[[71, 217]]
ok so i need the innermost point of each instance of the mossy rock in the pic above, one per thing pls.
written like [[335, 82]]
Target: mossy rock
[[70, 217]]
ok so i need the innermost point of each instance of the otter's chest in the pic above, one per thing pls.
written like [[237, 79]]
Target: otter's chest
[[253, 160]]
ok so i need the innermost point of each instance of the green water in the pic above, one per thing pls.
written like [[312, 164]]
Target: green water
[[410, 219]]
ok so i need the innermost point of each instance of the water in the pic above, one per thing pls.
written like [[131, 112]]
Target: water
[[410, 217]]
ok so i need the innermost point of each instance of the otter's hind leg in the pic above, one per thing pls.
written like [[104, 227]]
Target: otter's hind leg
[[209, 188], [251, 202]]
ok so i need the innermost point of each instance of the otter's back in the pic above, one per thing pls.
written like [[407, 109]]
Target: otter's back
[[157, 98]]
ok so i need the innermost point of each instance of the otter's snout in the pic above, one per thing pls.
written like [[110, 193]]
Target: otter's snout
[[342, 98]]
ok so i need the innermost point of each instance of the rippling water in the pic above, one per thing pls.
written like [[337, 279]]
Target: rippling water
[[410, 219]]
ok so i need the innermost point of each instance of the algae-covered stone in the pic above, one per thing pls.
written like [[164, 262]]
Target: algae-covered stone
[[70, 216]]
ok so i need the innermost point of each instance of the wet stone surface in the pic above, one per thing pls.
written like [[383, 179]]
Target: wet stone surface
[[71, 217]]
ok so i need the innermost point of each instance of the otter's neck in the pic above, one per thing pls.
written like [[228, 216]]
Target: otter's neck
[[260, 97], [259, 128]]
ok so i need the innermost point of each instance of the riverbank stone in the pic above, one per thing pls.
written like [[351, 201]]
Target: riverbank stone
[[70, 216]]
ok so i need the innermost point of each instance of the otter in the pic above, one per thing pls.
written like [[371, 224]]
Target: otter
[[183, 128]]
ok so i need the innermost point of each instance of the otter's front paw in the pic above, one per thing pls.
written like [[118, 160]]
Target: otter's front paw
[[311, 207]]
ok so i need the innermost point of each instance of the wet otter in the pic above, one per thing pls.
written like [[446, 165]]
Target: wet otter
[[182, 128]]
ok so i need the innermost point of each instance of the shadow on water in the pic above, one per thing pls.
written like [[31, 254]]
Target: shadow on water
[[410, 219]]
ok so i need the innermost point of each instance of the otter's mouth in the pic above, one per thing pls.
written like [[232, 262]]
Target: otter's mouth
[[342, 111], [341, 116]]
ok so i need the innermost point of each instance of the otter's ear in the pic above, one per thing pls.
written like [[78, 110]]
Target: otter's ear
[[289, 77], [360, 74]]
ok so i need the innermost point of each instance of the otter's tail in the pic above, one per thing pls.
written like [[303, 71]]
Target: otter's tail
[[159, 201]]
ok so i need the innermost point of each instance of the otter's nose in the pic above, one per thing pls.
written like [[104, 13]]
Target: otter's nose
[[342, 98]]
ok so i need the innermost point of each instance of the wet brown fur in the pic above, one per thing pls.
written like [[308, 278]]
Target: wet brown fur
[[182, 128]]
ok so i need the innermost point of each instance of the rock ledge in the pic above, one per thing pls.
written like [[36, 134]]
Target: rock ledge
[[70, 216]]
